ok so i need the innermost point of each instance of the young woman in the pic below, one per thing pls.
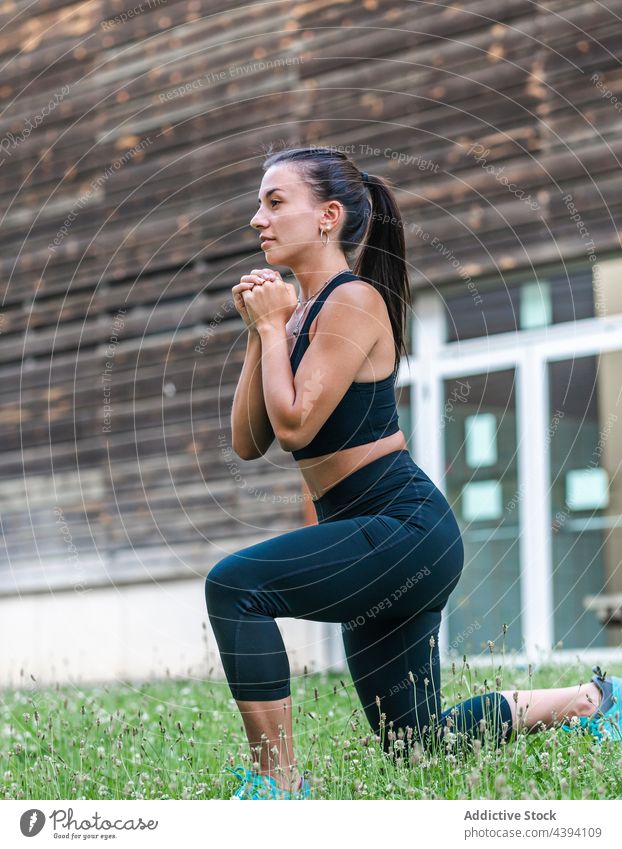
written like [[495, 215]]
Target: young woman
[[386, 553]]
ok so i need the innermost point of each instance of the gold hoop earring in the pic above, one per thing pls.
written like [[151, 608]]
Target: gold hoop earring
[[322, 231]]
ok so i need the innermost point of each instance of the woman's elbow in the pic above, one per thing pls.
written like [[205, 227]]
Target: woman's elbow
[[254, 450], [246, 452], [293, 439], [289, 440]]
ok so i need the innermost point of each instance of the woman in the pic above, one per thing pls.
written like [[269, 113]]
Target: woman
[[386, 552]]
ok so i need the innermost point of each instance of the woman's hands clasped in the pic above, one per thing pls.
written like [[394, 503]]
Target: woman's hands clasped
[[263, 298]]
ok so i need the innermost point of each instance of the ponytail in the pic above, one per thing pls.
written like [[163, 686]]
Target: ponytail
[[383, 258]]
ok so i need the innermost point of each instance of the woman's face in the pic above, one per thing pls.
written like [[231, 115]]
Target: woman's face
[[288, 214]]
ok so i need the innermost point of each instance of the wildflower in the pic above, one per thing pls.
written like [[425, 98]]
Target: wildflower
[[432, 642], [491, 645], [416, 757], [472, 778], [449, 738]]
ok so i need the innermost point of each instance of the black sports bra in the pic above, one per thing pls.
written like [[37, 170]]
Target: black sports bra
[[367, 412]]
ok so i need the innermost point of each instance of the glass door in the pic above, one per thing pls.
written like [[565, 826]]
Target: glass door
[[479, 424], [585, 436], [522, 430]]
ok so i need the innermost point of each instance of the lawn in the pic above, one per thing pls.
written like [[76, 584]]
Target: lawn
[[171, 739]]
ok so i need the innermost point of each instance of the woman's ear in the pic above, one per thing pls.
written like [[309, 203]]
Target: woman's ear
[[331, 214]]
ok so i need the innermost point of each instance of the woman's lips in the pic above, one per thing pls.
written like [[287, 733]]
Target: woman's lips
[[266, 242]]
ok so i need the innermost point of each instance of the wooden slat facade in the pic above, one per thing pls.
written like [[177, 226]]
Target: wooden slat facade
[[131, 162]]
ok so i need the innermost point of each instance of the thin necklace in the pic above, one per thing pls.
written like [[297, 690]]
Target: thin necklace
[[304, 306]]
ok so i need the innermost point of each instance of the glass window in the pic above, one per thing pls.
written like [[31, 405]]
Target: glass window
[[584, 439], [403, 396], [479, 423]]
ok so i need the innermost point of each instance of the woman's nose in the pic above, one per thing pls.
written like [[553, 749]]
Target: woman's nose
[[257, 220]]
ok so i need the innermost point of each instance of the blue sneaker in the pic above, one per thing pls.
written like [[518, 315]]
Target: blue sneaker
[[606, 721], [256, 786]]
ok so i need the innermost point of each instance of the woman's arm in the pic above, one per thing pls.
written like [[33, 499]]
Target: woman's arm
[[347, 330], [251, 430]]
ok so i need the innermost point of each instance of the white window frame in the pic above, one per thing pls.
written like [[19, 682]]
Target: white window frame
[[529, 352]]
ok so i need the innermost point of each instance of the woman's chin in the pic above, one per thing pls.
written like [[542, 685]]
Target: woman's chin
[[274, 255]]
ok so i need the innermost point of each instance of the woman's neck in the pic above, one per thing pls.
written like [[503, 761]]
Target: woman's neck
[[313, 274]]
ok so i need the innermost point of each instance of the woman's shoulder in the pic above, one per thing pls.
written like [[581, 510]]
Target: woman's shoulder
[[360, 298], [357, 293]]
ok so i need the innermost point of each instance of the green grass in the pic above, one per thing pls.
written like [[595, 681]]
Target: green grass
[[172, 739]]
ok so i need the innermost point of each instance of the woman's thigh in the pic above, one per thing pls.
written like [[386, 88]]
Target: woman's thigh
[[394, 665], [370, 566]]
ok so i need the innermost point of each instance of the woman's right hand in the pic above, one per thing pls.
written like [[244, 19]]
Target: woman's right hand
[[247, 281]]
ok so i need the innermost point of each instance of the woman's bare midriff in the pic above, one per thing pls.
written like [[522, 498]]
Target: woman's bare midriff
[[322, 473]]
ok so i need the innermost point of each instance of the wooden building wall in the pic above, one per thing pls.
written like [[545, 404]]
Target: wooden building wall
[[131, 152]]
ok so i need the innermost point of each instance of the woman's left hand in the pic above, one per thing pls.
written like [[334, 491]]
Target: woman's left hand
[[272, 303]]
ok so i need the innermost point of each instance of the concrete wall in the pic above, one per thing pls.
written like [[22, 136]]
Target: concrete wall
[[132, 632]]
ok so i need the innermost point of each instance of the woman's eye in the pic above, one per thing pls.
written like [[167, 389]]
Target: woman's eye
[[275, 201]]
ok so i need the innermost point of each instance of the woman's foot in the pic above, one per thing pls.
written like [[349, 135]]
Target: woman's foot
[[255, 785], [606, 719]]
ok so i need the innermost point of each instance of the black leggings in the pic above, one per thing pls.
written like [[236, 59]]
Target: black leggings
[[382, 561]]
